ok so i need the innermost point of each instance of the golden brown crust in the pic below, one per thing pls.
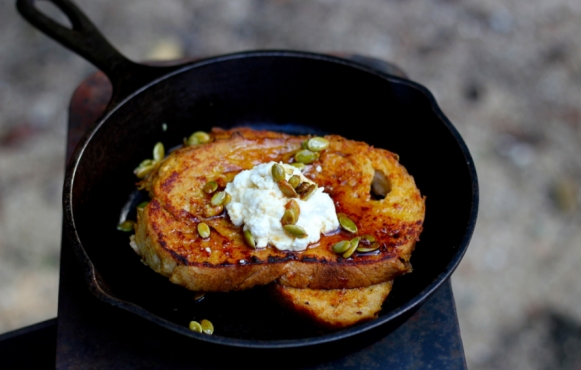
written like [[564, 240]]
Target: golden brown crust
[[333, 309], [166, 229]]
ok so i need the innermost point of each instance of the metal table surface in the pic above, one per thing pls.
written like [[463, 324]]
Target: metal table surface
[[93, 334]]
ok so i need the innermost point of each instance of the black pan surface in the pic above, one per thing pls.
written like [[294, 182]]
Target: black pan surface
[[292, 92]]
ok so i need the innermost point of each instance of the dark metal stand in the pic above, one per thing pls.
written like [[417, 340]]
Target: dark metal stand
[[92, 334]]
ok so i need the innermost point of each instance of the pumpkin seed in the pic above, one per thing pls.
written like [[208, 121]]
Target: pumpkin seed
[[302, 187], [295, 231], [367, 239], [249, 239], [141, 172], [145, 162], [294, 181], [306, 156], [218, 198], [317, 144], [158, 152], [204, 230], [210, 187], [341, 246], [278, 173], [309, 192], [191, 141], [305, 144], [289, 217], [287, 189], [371, 248], [207, 327], [354, 243], [346, 223], [142, 205], [126, 226], [195, 326], [203, 137], [198, 137], [292, 204], [298, 165], [227, 199], [210, 211]]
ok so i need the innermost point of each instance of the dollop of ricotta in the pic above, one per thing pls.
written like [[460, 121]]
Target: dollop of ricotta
[[258, 204]]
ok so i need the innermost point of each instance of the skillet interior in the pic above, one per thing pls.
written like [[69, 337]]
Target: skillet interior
[[290, 92]]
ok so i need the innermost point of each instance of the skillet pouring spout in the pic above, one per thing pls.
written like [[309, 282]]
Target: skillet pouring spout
[[288, 91]]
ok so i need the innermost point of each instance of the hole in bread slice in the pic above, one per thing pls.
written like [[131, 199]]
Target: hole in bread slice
[[380, 185]]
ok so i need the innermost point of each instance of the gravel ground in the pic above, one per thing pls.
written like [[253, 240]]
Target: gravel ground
[[507, 74]]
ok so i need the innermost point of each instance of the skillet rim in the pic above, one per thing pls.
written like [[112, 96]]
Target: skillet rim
[[90, 271]]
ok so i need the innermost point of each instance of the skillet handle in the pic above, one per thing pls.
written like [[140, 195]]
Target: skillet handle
[[86, 40]]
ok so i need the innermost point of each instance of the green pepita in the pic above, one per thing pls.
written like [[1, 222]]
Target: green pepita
[[158, 152], [287, 190], [294, 181], [218, 198], [210, 187], [306, 156], [142, 205], [198, 137], [207, 327], [211, 211], [346, 223], [278, 173], [195, 326], [249, 239], [289, 217], [227, 199], [305, 144], [203, 137], [191, 141], [292, 204], [298, 165], [341, 246], [145, 162], [367, 239], [302, 187], [366, 249], [309, 192], [126, 226], [204, 230], [141, 172], [353, 244], [295, 231], [317, 144]]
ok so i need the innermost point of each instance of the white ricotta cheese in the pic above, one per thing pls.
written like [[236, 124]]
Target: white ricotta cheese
[[258, 204]]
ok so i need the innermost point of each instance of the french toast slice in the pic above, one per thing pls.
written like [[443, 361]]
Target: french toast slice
[[167, 240], [333, 309]]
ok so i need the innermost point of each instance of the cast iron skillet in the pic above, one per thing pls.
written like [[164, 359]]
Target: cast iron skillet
[[294, 92]]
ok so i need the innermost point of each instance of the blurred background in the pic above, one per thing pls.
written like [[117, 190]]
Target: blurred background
[[507, 74]]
